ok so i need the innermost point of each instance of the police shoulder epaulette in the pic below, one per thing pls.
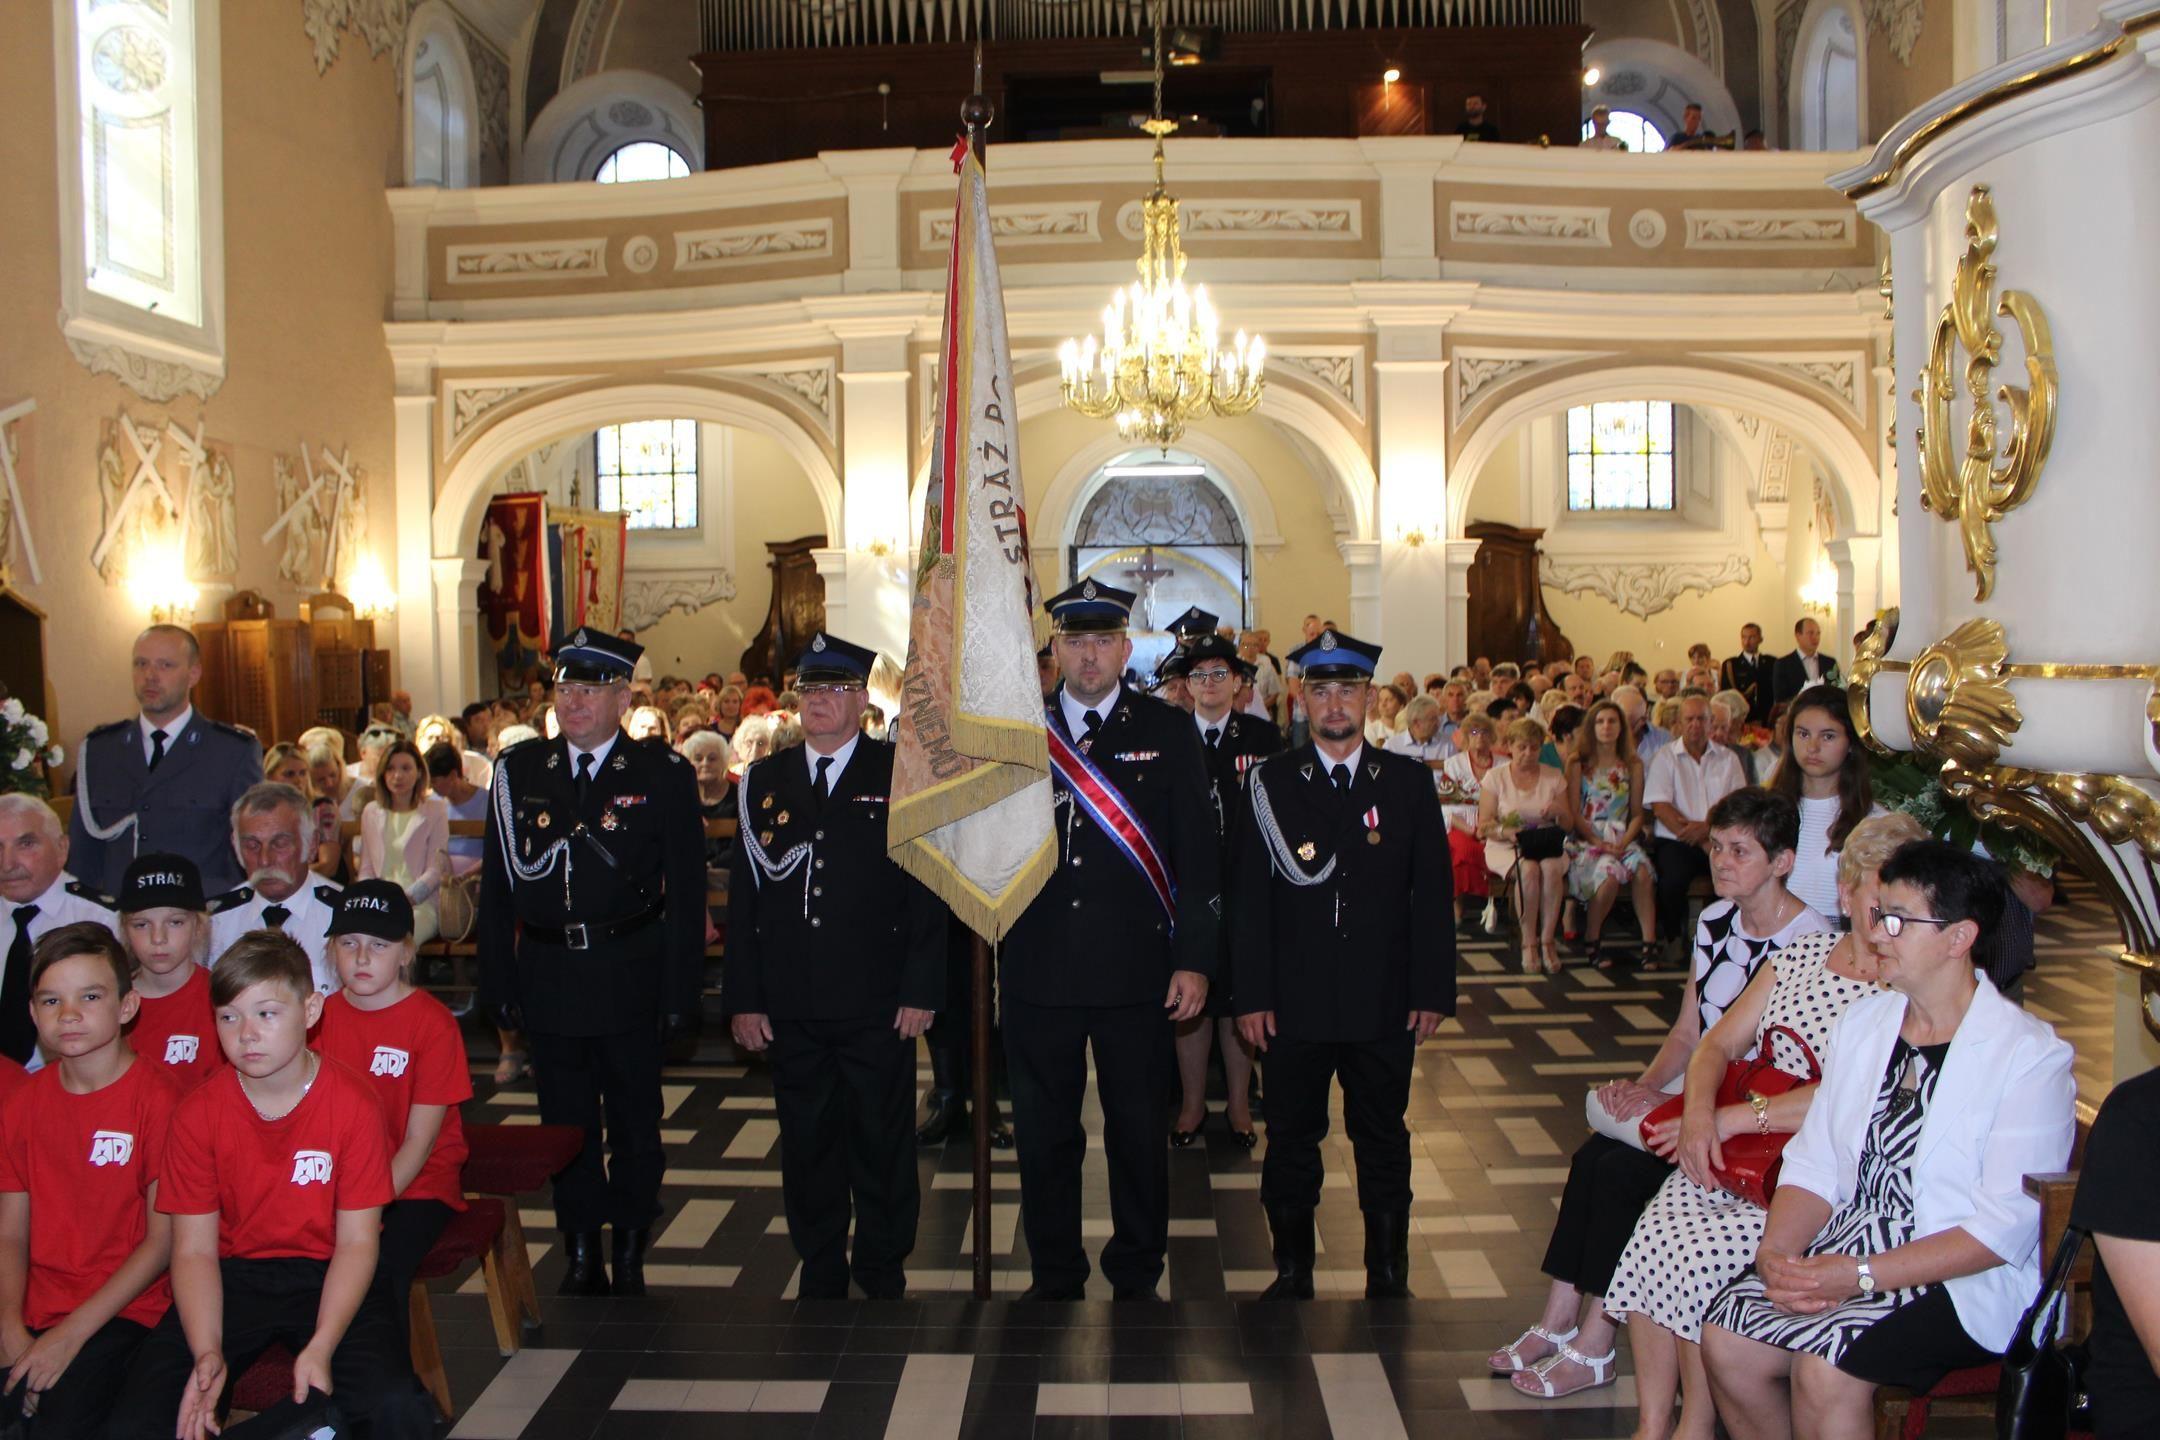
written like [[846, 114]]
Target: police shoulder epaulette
[[109, 728], [231, 900], [328, 893], [519, 747], [237, 732], [676, 756], [82, 890]]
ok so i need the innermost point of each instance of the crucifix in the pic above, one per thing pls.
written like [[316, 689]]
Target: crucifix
[[146, 477], [1146, 574]]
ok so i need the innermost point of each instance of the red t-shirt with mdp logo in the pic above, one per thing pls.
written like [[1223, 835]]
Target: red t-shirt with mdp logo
[[87, 1163], [412, 1054], [277, 1185], [178, 1032]]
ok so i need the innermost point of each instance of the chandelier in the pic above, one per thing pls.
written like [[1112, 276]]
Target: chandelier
[[1157, 366]]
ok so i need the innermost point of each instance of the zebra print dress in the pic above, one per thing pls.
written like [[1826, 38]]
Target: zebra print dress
[[1879, 1217]]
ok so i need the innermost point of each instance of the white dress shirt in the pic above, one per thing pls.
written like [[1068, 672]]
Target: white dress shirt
[[309, 910], [1354, 759], [839, 760], [1690, 786], [172, 729], [1076, 713], [599, 756], [1812, 664]]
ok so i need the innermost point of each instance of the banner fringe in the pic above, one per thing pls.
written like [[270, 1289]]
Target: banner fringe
[[972, 906]]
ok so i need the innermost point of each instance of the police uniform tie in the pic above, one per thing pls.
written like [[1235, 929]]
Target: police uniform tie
[[1214, 736], [157, 747], [18, 1034], [584, 779], [1092, 723], [275, 916], [823, 783]]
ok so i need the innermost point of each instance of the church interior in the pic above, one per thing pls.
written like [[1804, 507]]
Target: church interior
[[382, 343]]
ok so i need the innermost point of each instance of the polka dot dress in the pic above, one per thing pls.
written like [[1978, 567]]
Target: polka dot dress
[[1690, 1241]]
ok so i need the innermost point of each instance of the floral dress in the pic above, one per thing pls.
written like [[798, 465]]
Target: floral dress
[[1605, 804]]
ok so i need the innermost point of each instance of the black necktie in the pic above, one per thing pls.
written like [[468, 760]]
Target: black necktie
[[275, 916], [157, 747], [18, 1033], [584, 779], [1091, 722], [1214, 736], [1340, 774], [822, 784]]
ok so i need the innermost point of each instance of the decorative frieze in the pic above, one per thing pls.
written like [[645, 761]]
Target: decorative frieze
[[1475, 375], [1511, 223], [1027, 224], [1340, 371], [527, 260], [1770, 229], [1644, 590], [647, 597], [726, 246], [467, 404], [1211, 217]]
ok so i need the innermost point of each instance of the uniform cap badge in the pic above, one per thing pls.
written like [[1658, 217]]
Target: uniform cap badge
[[818, 644], [579, 638], [1087, 591], [1327, 640]]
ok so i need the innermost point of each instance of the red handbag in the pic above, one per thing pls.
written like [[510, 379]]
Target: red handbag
[[1752, 1162]]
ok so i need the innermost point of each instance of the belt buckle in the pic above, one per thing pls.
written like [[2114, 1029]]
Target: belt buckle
[[574, 937]]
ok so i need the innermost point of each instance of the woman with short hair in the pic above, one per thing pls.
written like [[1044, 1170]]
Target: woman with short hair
[[1524, 816]]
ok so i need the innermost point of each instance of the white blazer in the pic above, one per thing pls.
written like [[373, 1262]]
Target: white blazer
[[2004, 1108], [427, 846]]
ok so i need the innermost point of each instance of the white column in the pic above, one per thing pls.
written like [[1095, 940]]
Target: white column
[[1461, 554], [1408, 233], [418, 662], [1411, 402], [872, 178], [874, 477], [457, 629], [1858, 562], [832, 568], [1363, 558]]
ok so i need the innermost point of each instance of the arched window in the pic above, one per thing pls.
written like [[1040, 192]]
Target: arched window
[[442, 133], [1163, 528], [649, 468], [642, 160], [1620, 455], [1633, 130]]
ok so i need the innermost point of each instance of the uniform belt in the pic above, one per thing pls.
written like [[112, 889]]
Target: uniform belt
[[584, 937]]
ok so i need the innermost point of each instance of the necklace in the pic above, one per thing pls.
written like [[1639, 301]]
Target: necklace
[[314, 1063]]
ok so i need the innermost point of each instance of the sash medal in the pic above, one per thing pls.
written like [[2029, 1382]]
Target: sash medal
[[1100, 801]]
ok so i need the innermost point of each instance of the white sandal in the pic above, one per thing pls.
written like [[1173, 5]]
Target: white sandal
[[1515, 1361], [1599, 1366]]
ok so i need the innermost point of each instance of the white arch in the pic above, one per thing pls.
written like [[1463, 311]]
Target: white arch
[[590, 120], [1855, 488], [1081, 476], [1829, 55], [461, 501], [1656, 81], [442, 107]]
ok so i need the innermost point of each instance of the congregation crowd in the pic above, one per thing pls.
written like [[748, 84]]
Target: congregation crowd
[[231, 1117]]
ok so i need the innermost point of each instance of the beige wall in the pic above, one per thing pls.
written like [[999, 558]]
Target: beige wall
[[1894, 88], [307, 269]]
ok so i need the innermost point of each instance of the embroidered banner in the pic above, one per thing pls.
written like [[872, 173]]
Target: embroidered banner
[[514, 592]]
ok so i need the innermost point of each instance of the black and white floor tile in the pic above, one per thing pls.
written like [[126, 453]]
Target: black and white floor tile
[[723, 1347]]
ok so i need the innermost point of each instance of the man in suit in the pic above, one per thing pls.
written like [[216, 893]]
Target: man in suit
[[835, 965], [1346, 961], [164, 781], [592, 943], [1116, 949], [1752, 673], [1806, 665]]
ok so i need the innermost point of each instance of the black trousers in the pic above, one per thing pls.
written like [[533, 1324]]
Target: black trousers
[[1375, 1078], [1046, 1049], [410, 1229], [78, 1403], [273, 1302], [581, 1078], [1608, 1186], [1678, 866], [844, 1091], [951, 1036]]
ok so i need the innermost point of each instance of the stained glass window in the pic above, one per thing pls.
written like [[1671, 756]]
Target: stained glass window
[[649, 468], [1620, 456], [642, 160]]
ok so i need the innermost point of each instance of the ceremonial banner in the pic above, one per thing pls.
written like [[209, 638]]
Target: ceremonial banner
[[970, 814], [514, 592], [585, 568]]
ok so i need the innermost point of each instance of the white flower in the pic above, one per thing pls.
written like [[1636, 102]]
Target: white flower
[[11, 710], [38, 733], [23, 759], [55, 755]]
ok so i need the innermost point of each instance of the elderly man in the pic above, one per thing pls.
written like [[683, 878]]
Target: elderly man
[[163, 780], [1682, 782], [36, 895], [1807, 665], [1649, 738], [272, 836], [1454, 705]]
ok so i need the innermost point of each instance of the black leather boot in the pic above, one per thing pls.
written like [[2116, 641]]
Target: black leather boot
[[1293, 1232], [630, 1259], [582, 1272], [942, 1110], [1387, 1254]]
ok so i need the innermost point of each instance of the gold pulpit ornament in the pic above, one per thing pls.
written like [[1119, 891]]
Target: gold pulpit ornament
[[1980, 487]]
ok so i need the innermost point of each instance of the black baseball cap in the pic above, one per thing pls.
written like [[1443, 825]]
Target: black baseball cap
[[373, 907], [156, 882]]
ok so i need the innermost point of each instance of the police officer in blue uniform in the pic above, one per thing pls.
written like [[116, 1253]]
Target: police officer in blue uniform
[[1346, 960], [592, 934], [1118, 946], [835, 965], [165, 780]]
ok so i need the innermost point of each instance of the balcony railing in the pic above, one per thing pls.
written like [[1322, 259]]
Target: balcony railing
[[738, 25]]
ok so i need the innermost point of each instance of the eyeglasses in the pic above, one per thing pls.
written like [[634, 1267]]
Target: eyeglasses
[[1893, 925], [806, 691], [1209, 677]]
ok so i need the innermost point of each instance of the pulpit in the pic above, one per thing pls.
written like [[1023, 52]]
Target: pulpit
[[797, 611], [1507, 618]]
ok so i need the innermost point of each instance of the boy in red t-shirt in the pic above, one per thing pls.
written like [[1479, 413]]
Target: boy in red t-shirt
[[407, 1043], [166, 925], [82, 1248], [276, 1172]]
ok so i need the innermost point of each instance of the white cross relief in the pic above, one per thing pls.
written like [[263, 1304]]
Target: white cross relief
[[9, 416], [146, 477], [340, 503], [197, 457], [305, 498]]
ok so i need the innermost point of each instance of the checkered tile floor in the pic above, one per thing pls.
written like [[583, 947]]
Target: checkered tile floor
[[722, 1347]]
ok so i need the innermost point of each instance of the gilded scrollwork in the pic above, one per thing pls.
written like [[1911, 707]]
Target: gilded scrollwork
[[1990, 479], [1867, 660], [1956, 700]]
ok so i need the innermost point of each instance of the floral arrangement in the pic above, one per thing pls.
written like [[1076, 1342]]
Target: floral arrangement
[[1913, 784], [27, 747]]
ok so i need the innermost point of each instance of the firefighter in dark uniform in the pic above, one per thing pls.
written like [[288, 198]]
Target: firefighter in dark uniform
[[1168, 684], [835, 964], [1117, 947], [1232, 743], [1346, 961], [592, 941]]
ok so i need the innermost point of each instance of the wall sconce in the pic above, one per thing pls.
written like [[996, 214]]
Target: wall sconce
[[158, 583], [1411, 536], [882, 547], [369, 590], [1819, 595]]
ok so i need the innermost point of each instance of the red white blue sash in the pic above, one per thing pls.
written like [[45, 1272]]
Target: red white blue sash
[[1100, 801]]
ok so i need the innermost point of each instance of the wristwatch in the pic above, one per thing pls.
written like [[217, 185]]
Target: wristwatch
[[1761, 1106], [1867, 1278]]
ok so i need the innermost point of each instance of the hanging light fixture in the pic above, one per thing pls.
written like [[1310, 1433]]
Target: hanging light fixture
[[1157, 366]]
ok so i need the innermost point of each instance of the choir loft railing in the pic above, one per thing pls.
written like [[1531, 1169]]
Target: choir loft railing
[[737, 25]]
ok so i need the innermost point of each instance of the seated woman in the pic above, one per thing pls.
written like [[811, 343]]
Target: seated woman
[[1523, 813], [1695, 1236], [1606, 780], [1825, 772], [1461, 778], [1382, 716], [2114, 1205], [1901, 1244], [405, 836], [646, 722], [1611, 1180]]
